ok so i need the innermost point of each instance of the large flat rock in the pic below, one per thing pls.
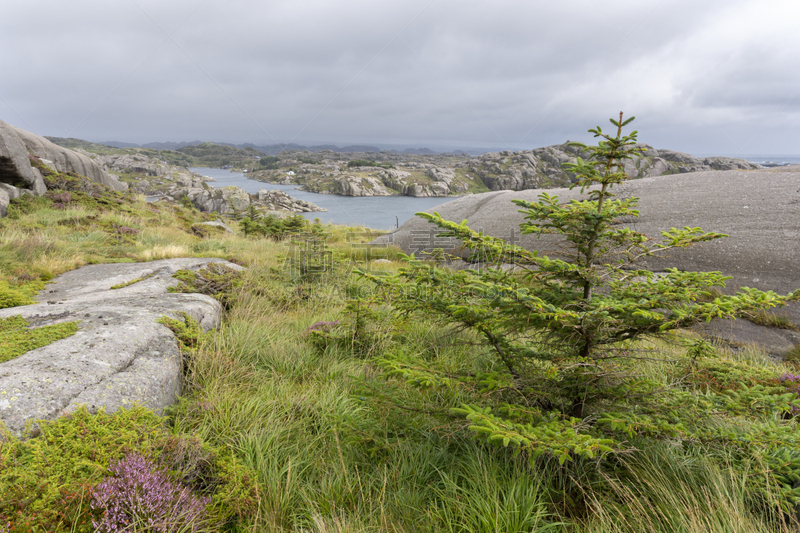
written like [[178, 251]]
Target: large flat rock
[[120, 354], [759, 210]]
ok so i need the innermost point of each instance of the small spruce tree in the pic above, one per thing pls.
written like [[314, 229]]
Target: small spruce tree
[[560, 328]]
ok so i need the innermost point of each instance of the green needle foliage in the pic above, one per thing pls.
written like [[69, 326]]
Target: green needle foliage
[[561, 328]]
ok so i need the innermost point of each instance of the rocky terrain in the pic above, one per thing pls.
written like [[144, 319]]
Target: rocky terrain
[[155, 177], [389, 173], [23, 156], [120, 355], [386, 173]]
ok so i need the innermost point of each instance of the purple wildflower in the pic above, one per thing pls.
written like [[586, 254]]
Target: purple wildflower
[[125, 230], [137, 494], [792, 384], [323, 326]]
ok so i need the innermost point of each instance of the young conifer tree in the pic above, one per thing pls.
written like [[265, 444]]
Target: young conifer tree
[[559, 327]]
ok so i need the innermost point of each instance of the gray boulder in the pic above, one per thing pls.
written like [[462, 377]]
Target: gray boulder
[[226, 200], [214, 225], [120, 354], [759, 210], [15, 166]]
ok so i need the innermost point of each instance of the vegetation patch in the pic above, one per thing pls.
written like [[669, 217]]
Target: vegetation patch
[[16, 295], [186, 330], [131, 282], [771, 320], [16, 338], [354, 163], [217, 280], [68, 479]]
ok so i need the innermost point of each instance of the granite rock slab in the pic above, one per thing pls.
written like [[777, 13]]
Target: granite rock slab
[[120, 355]]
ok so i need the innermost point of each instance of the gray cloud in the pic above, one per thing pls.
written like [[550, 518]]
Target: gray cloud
[[716, 76]]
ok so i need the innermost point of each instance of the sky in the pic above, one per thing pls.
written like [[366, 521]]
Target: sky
[[704, 77]]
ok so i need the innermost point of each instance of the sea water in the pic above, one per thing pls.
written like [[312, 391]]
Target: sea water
[[376, 212]]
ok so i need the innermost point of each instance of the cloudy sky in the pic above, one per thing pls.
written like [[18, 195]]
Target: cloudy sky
[[705, 77]]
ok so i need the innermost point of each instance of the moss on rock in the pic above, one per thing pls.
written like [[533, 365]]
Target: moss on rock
[[17, 338]]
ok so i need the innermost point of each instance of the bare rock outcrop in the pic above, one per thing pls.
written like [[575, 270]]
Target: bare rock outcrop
[[542, 167], [348, 185], [120, 355], [233, 200], [18, 174], [16, 145], [280, 201]]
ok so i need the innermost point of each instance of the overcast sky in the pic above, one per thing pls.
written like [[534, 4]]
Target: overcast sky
[[704, 77]]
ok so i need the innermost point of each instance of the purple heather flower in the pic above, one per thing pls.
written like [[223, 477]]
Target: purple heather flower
[[138, 493], [792, 384], [125, 230], [323, 326]]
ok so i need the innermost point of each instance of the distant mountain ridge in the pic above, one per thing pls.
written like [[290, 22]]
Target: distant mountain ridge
[[275, 149]]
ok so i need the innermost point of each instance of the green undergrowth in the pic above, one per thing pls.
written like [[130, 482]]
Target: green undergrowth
[[47, 482], [294, 377], [16, 338], [186, 330], [22, 293]]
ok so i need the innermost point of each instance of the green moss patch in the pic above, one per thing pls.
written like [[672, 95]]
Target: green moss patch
[[186, 330], [16, 338], [13, 296], [131, 282]]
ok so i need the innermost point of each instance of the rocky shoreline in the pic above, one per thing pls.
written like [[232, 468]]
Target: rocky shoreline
[[442, 175], [156, 178]]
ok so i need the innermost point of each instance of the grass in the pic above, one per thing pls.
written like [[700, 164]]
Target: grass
[[771, 320], [317, 439]]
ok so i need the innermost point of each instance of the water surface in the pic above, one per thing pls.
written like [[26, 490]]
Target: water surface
[[376, 212]]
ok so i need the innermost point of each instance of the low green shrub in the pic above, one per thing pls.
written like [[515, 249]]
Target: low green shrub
[[16, 338], [47, 482], [216, 280]]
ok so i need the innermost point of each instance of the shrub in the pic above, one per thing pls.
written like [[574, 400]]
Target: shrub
[[270, 162], [274, 227], [138, 494]]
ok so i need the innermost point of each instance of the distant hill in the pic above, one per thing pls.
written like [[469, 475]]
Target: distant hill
[[75, 144], [219, 155], [120, 144], [171, 145]]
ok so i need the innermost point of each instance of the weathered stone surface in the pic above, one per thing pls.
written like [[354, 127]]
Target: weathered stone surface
[[357, 186], [119, 356], [215, 224], [15, 166], [232, 200], [280, 201], [134, 164], [759, 210], [529, 169]]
